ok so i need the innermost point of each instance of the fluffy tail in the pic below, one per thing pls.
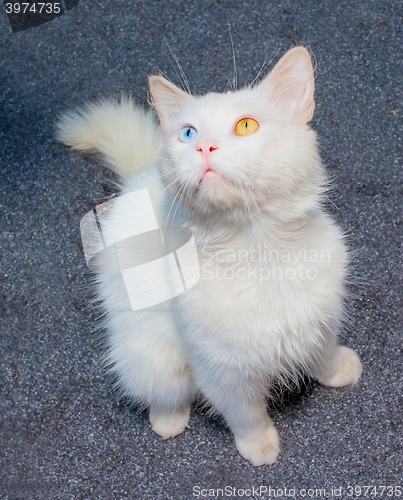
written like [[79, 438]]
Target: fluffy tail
[[125, 134]]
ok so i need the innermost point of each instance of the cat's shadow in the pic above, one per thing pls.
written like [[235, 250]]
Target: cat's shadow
[[291, 395], [281, 398]]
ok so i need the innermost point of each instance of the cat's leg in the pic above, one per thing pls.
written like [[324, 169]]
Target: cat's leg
[[151, 365], [338, 367], [241, 401], [169, 422], [256, 437]]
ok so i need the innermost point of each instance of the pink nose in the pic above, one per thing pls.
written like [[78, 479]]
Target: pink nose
[[205, 149]]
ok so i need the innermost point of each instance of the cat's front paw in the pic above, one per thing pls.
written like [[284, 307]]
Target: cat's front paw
[[260, 451], [348, 370], [169, 423]]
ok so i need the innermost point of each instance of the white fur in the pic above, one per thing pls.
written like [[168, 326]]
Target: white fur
[[125, 134], [238, 329]]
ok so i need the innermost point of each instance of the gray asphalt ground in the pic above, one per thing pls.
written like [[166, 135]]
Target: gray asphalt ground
[[65, 434]]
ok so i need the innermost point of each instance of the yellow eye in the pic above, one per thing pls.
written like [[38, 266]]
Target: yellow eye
[[246, 126]]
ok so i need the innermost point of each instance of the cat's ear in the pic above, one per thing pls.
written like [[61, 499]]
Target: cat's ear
[[168, 99], [290, 85]]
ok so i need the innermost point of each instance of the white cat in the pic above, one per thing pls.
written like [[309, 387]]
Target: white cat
[[269, 303]]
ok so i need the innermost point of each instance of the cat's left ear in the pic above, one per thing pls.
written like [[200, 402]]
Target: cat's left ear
[[168, 99], [290, 85]]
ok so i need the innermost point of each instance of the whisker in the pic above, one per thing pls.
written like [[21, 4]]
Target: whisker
[[172, 204], [185, 80], [178, 203], [264, 66], [256, 205], [247, 78], [253, 219], [235, 77], [167, 186], [151, 156], [246, 204], [250, 184], [226, 77], [159, 71], [160, 175]]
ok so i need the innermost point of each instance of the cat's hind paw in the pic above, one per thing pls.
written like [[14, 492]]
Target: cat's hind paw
[[169, 423], [261, 451], [349, 370]]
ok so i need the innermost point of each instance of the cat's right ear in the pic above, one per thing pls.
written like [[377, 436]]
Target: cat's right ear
[[168, 99], [290, 86]]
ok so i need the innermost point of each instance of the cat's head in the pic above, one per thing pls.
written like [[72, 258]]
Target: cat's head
[[241, 153]]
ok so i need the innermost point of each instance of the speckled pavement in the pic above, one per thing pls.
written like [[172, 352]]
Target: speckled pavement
[[64, 432]]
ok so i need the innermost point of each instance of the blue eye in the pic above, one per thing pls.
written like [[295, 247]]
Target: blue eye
[[187, 134]]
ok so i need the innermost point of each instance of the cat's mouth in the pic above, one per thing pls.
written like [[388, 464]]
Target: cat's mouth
[[216, 191], [212, 180], [211, 175]]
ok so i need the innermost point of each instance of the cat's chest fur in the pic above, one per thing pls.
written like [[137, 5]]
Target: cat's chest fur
[[260, 296]]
